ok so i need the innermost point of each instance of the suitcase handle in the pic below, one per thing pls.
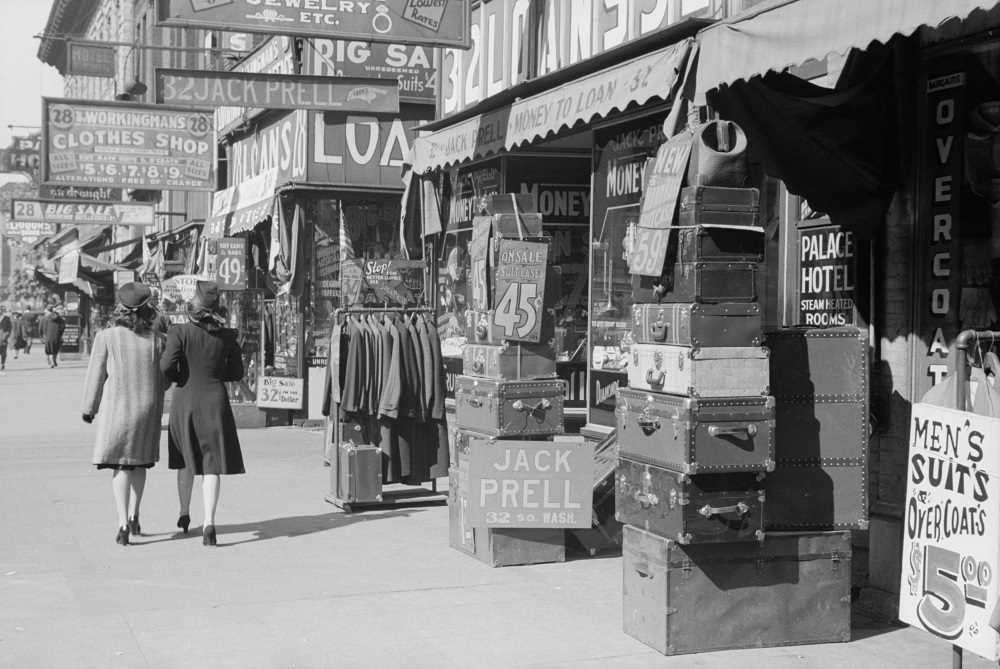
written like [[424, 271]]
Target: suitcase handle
[[477, 366], [740, 508], [749, 430], [519, 405], [648, 423], [476, 402], [658, 331], [481, 330], [659, 379], [649, 498]]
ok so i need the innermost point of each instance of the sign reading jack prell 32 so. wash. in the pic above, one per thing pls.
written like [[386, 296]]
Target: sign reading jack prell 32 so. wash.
[[951, 539]]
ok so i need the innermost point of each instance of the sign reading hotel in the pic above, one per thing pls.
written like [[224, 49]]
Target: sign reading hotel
[[127, 145], [431, 22], [951, 537], [107, 213], [826, 276], [530, 484], [203, 88]]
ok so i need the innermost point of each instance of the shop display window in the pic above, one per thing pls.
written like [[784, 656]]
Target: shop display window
[[244, 314]]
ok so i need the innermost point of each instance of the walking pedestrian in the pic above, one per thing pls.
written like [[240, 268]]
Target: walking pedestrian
[[200, 356], [52, 327], [18, 332], [124, 390], [5, 328]]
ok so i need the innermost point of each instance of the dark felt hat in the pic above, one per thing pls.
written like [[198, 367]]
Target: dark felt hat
[[133, 295], [206, 295]]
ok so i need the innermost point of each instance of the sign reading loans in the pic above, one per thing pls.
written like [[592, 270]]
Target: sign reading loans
[[203, 88], [127, 145], [279, 392], [108, 213], [951, 535], [431, 22], [519, 288], [530, 483]]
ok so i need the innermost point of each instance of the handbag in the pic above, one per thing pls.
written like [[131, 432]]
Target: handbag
[[718, 155]]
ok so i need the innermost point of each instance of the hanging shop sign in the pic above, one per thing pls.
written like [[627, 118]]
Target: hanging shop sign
[[81, 193], [127, 145], [394, 283], [108, 213], [23, 154], [69, 267], [204, 88], [401, 21], [530, 483], [275, 56], [90, 60], [519, 288], [951, 540], [280, 392], [278, 145], [241, 207], [827, 276], [29, 231], [479, 296], [413, 66], [227, 262]]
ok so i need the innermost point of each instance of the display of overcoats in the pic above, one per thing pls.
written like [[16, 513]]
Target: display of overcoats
[[385, 374]]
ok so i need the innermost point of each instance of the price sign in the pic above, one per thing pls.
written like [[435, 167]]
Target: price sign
[[951, 539], [519, 288], [279, 392], [649, 251], [231, 263]]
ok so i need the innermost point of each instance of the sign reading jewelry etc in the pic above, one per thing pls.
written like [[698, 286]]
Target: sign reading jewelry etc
[[127, 145], [433, 22], [951, 538]]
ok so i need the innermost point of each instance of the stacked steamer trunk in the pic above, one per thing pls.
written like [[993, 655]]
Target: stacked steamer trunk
[[696, 445], [508, 389]]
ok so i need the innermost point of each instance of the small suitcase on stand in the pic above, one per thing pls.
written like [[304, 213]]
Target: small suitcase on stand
[[697, 325], [730, 371]]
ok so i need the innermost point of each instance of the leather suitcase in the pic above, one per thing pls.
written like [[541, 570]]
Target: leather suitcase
[[510, 408], [698, 325], [794, 588], [703, 282], [712, 205], [708, 508], [819, 379], [724, 371], [359, 473], [695, 436], [701, 243], [509, 362]]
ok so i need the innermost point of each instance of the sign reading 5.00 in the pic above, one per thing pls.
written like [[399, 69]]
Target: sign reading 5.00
[[127, 145], [519, 288]]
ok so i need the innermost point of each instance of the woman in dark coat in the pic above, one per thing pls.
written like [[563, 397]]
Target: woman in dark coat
[[53, 327], [200, 356]]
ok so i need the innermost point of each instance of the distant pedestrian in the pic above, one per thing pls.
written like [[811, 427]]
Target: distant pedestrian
[[124, 389], [162, 322], [200, 356], [52, 327], [18, 332], [5, 327]]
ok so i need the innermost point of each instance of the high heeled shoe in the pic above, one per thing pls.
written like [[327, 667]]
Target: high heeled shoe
[[208, 535], [183, 522], [122, 537], [133, 526]]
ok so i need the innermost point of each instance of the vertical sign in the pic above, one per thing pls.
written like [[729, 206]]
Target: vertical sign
[[230, 262], [478, 276], [827, 273], [659, 201], [951, 535], [519, 287]]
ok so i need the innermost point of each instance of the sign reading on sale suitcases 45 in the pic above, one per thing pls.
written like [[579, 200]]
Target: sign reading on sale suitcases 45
[[520, 288], [530, 483], [952, 530]]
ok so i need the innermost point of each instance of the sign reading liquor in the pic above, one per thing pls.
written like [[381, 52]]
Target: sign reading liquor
[[433, 22], [127, 145], [530, 483], [109, 213], [203, 88], [28, 231], [826, 276], [951, 534]]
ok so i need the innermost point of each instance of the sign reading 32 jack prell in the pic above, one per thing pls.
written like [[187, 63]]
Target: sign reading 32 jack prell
[[127, 145], [951, 539], [108, 213], [530, 483]]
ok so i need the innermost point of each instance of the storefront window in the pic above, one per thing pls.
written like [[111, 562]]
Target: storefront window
[[245, 309], [287, 325]]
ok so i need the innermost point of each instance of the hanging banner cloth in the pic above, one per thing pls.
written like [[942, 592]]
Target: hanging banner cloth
[[243, 206], [780, 33]]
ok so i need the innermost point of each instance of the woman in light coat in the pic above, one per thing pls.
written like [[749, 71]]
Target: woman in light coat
[[124, 390]]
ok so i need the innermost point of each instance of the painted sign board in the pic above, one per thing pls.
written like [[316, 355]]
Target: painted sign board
[[23, 154], [382, 282], [519, 288], [29, 231], [108, 213], [81, 193], [91, 60], [127, 145], [413, 66], [951, 538], [276, 55], [431, 22], [530, 483], [279, 392], [205, 88], [281, 143], [229, 268], [827, 276]]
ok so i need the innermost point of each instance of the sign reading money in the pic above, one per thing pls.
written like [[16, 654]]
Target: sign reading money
[[109, 213], [519, 287], [202, 88]]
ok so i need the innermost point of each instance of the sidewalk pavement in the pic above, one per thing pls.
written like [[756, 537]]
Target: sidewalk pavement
[[295, 582]]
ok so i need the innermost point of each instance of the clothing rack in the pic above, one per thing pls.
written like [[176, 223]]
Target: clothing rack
[[392, 494]]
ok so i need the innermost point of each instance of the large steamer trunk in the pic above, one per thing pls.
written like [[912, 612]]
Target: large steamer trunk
[[819, 379], [510, 408], [703, 282], [696, 436], [730, 371], [794, 588], [709, 508]]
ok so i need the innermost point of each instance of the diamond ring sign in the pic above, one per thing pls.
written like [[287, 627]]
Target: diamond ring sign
[[951, 535]]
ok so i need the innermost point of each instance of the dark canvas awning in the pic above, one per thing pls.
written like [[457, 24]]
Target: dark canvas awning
[[777, 34]]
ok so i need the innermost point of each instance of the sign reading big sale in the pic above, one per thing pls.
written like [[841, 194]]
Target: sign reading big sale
[[951, 538], [127, 145]]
